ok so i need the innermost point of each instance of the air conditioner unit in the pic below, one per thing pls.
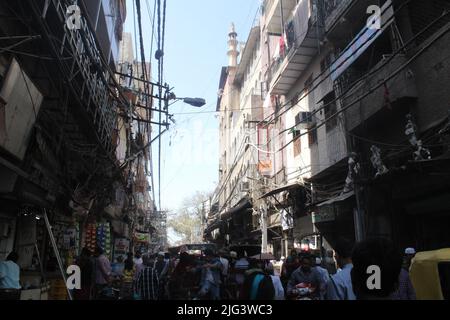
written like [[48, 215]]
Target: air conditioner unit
[[304, 120]]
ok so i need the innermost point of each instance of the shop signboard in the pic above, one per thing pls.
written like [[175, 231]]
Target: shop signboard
[[287, 221], [324, 214], [142, 237], [265, 161], [69, 238]]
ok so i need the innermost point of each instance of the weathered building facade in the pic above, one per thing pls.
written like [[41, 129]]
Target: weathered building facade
[[70, 148], [240, 106], [354, 124]]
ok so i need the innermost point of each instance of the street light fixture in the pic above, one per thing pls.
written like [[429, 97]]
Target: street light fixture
[[195, 102]]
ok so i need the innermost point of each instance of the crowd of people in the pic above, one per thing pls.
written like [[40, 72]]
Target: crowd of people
[[342, 274], [143, 277]]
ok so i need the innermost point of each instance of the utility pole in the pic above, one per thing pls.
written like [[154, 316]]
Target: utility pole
[[359, 214], [263, 215], [202, 230]]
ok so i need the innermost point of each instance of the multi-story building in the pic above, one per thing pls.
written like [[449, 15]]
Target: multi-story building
[[292, 31], [352, 137], [67, 135], [275, 179], [393, 110], [240, 108], [131, 76]]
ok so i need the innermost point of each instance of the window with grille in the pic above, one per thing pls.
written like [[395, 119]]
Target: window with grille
[[330, 109]]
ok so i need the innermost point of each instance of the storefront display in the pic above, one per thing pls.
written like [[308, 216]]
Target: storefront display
[[58, 290], [104, 238], [97, 234], [90, 237], [142, 242], [67, 241], [30, 245]]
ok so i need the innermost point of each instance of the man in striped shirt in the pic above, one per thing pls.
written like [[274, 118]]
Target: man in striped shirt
[[147, 284]]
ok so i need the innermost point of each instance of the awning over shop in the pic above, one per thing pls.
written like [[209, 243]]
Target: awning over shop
[[281, 189], [213, 226], [340, 198], [326, 211], [243, 204]]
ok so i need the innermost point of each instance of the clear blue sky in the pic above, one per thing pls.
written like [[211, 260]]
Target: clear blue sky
[[195, 51]]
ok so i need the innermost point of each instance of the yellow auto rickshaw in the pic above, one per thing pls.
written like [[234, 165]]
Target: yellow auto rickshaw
[[430, 274]]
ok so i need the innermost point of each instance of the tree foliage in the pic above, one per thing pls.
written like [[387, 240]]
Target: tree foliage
[[188, 221]]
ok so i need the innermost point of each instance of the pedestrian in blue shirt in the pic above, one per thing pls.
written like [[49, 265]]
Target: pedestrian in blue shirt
[[10, 278], [305, 274], [210, 276], [10, 272], [339, 286], [324, 276]]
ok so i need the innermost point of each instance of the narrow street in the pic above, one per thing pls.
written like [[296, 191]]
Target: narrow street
[[224, 150]]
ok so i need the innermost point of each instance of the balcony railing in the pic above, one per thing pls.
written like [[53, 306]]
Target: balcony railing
[[340, 14], [302, 42], [271, 10]]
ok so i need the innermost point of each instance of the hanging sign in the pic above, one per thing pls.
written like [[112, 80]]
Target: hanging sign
[[324, 214], [287, 221], [142, 237]]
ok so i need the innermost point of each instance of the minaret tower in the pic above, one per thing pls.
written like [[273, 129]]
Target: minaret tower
[[233, 52]]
